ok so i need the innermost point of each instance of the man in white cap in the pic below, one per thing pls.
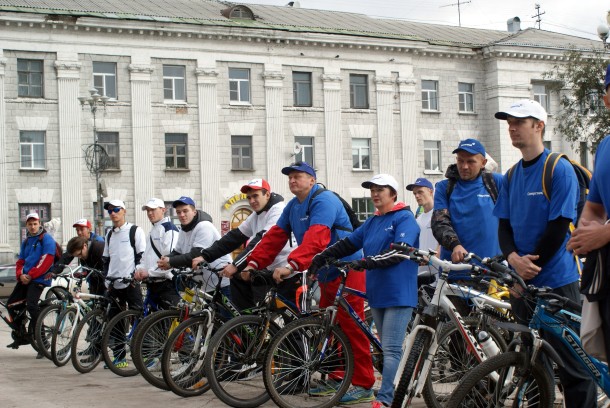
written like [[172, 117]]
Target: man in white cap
[[161, 241]]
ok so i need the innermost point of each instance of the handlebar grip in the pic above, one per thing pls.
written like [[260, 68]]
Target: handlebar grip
[[400, 247], [573, 305]]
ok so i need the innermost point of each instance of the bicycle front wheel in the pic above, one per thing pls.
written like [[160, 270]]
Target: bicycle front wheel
[[415, 361], [506, 380], [45, 325], [86, 347], [62, 336], [297, 373], [116, 343]]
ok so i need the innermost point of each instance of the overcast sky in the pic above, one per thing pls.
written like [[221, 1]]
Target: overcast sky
[[575, 17]]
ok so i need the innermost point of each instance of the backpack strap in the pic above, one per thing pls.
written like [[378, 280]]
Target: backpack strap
[[490, 185], [547, 174], [451, 182], [317, 193], [132, 241], [154, 248]]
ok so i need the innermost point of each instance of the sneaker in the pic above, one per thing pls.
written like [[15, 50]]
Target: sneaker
[[357, 395], [39, 355], [153, 365], [118, 363], [324, 389]]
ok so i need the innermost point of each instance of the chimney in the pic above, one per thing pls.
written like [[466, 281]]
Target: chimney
[[294, 4], [514, 24]]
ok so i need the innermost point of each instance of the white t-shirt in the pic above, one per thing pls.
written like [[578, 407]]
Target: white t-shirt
[[426, 238]]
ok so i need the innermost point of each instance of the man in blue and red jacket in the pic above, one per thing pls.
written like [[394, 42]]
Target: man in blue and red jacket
[[35, 259]]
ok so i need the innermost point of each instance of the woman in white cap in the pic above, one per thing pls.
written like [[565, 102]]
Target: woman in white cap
[[391, 281]]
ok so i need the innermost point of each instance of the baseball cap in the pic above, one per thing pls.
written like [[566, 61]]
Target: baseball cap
[[472, 146], [420, 182], [607, 81], [153, 203], [83, 222], [525, 108], [114, 203], [32, 215], [256, 184], [382, 180], [184, 200], [299, 166]]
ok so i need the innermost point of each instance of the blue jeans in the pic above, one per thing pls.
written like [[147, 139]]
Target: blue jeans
[[391, 323]]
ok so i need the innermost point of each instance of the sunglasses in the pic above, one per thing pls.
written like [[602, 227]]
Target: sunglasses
[[114, 210]]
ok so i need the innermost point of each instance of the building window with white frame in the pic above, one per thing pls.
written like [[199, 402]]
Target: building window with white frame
[[239, 85], [359, 91], [241, 153], [432, 155], [429, 95], [541, 95], [30, 78], [104, 78], [306, 153], [175, 151], [174, 83], [466, 97], [361, 154], [363, 207], [32, 149], [110, 142], [301, 87], [593, 103]]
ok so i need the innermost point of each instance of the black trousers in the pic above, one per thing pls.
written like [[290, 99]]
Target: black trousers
[[163, 293], [31, 293], [245, 295], [579, 390], [130, 298]]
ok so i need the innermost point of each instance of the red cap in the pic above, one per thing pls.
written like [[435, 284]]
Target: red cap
[[82, 223], [256, 184]]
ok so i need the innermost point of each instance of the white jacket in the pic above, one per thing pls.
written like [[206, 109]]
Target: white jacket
[[164, 236]]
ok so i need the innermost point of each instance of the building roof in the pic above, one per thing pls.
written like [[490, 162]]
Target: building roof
[[298, 20]]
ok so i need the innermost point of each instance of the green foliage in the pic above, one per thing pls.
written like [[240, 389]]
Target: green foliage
[[580, 85]]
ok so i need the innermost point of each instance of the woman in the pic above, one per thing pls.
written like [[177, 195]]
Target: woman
[[391, 281]]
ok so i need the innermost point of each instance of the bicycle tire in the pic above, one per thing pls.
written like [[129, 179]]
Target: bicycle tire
[[452, 361], [182, 359], [233, 363], [149, 342], [62, 336], [116, 342], [57, 293], [86, 347], [293, 364], [414, 363], [471, 386], [44, 328]]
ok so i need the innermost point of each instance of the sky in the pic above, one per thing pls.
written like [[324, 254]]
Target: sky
[[575, 17]]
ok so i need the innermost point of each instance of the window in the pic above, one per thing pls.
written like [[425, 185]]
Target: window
[[106, 221], [175, 150], [306, 154], [466, 96], [301, 87], [174, 85], [361, 154], [171, 213], [32, 149], [104, 78], [432, 155], [429, 95], [363, 207], [541, 96], [593, 103], [241, 152], [30, 77], [110, 142], [43, 211], [239, 85], [584, 154], [358, 91], [547, 144]]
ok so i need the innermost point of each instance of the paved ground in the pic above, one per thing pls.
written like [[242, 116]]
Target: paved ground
[[27, 382]]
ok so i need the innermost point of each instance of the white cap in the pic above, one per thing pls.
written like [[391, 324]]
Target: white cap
[[524, 108], [114, 203], [382, 180], [32, 215], [153, 203]]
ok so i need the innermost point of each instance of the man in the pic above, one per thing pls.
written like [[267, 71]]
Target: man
[[84, 229], [125, 244], [424, 195], [267, 208], [89, 254], [161, 241], [462, 219], [197, 231], [317, 225], [534, 232], [36, 257]]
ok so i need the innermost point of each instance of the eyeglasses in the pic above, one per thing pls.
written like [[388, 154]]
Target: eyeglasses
[[114, 210]]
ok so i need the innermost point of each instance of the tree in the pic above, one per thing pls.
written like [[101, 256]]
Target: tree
[[580, 84]]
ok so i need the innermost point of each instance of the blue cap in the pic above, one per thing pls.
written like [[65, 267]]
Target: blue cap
[[420, 182], [299, 166], [607, 81], [183, 201], [472, 146]]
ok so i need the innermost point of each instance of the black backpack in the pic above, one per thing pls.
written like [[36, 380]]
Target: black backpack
[[132, 240], [58, 250], [488, 182], [351, 214]]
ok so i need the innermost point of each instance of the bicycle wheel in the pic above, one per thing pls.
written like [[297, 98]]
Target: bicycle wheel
[[453, 360], [62, 336], [235, 358], [520, 387], [57, 293], [182, 359], [294, 365], [116, 343], [147, 346], [45, 326], [86, 347], [417, 355]]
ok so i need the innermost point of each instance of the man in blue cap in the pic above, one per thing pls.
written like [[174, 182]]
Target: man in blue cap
[[463, 220], [424, 195]]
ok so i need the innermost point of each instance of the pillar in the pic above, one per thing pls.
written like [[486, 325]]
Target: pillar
[[333, 136], [5, 250], [408, 134], [385, 123], [274, 140]]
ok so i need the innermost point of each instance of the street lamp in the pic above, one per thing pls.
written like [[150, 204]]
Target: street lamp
[[603, 30], [95, 154]]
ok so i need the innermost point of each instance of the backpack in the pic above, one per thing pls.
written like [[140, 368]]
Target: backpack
[[132, 239], [58, 250], [488, 182], [351, 214]]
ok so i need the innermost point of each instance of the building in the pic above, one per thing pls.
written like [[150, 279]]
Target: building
[[205, 95]]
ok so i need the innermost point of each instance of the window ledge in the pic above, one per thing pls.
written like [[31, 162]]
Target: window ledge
[[170, 170], [34, 170], [362, 170], [466, 113], [239, 103], [243, 170], [433, 172], [430, 111], [111, 171], [173, 102]]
